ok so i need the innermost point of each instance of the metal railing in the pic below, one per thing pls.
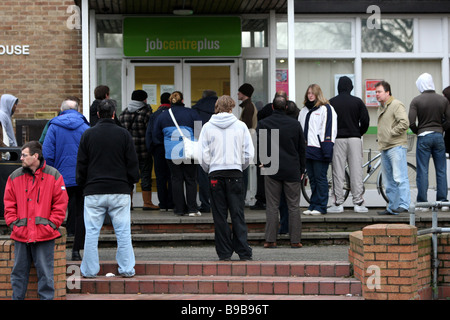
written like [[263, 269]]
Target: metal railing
[[434, 230]]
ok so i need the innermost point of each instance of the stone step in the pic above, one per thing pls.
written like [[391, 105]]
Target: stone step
[[298, 278], [209, 297], [233, 268], [260, 285]]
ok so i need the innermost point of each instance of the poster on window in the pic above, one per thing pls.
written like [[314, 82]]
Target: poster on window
[[371, 98], [282, 83], [336, 82]]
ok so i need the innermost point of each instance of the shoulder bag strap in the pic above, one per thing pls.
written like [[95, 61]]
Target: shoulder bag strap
[[176, 123]]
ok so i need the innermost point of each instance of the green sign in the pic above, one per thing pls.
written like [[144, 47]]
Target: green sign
[[181, 36]]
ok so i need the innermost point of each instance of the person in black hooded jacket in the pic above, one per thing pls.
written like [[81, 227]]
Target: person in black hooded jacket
[[353, 122]]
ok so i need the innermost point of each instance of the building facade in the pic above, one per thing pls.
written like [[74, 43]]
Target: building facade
[[53, 49]]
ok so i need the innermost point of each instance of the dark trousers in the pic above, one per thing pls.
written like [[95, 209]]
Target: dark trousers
[[42, 255], [260, 195], [184, 175], [75, 219], [284, 214], [203, 188], [317, 173], [245, 174], [227, 194], [274, 189], [163, 179], [145, 168]]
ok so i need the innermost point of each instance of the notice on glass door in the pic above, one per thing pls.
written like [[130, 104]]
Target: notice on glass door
[[151, 92], [167, 88]]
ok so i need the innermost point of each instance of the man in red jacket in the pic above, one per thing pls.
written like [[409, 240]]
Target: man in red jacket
[[35, 207]]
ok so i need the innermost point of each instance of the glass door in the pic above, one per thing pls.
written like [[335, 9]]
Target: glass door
[[220, 76], [155, 79], [189, 76]]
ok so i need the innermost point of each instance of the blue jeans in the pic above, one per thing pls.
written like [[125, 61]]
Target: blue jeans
[[395, 178], [317, 173], [431, 145], [117, 206]]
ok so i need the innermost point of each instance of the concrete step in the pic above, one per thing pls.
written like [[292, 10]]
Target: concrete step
[[142, 239], [164, 228]]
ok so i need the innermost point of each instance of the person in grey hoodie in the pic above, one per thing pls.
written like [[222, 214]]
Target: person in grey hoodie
[[227, 150], [429, 109], [8, 104]]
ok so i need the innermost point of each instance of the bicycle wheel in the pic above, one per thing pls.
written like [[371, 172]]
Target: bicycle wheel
[[306, 187], [412, 172]]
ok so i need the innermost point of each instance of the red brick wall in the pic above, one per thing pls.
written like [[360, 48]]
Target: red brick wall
[[7, 262], [52, 69], [404, 261]]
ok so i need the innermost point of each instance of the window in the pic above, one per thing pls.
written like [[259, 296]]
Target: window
[[109, 73], [109, 34], [393, 35], [256, 73], [317, 35], [254, 33]]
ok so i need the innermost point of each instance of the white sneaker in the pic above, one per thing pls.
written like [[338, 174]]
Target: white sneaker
[[422, 209], [360, 209], [315, 213], [195, 214], [307, 212], [445, 208], [335, 209]]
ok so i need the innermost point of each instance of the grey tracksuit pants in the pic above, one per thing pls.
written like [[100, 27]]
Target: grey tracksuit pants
[[348, 150]]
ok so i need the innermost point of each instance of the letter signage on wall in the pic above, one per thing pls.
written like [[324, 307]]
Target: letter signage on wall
[[181, 36], [16, 50]]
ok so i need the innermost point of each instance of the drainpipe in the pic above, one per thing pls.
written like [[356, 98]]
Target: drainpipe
[[85, 56], [291, 49]]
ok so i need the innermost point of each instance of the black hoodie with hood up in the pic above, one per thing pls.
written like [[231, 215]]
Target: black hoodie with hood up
[[353, 117]]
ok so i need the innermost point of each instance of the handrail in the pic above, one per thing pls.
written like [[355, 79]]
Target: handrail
[[434, 230]]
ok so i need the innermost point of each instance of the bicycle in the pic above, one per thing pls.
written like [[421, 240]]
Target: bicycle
[[306, 190]]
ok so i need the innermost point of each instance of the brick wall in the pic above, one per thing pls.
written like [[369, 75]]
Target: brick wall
[[52, 69], [402, 260], [7, 262]]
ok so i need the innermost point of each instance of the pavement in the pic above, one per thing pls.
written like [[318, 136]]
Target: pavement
[[208, 253]]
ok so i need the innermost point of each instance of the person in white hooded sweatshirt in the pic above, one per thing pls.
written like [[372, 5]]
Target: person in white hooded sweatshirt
[[227, 150], [429, 109]]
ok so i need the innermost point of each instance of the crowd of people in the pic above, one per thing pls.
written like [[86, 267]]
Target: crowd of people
[[90, 168]]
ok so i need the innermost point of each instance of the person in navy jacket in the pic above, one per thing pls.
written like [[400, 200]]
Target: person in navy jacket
[[162, 171], [60, 150], [183, 172]]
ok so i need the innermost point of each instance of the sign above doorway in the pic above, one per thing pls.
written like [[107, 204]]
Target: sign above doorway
[[182, 36]]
